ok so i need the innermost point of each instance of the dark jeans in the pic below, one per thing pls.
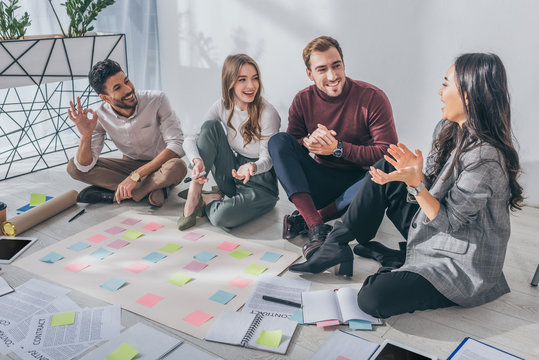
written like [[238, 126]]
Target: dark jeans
[[298, 172]]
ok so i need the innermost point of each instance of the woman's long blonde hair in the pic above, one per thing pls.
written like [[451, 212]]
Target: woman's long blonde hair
[[250, 130]]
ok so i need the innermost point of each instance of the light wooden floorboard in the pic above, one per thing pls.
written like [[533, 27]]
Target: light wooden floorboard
[[511, 322]]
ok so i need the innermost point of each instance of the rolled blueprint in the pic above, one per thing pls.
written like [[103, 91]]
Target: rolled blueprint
[[40, 213]]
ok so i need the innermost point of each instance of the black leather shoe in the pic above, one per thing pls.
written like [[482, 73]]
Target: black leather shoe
[[317, 236], [294, 225], [95, 194], [387, 257]]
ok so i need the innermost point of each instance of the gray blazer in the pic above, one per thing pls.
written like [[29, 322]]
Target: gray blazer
[[462, 250]]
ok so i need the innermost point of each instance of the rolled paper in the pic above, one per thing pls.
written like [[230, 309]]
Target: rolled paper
[[40, 213]]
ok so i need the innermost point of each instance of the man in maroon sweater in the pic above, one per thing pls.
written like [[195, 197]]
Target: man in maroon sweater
[[346, 124]]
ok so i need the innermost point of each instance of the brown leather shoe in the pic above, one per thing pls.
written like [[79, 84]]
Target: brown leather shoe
[[294, 225], [317, 236]]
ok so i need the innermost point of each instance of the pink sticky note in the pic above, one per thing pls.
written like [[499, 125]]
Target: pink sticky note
[[195, 266], [239, 282], [97, 238], [115, 230], [76, 266], [227, 246], [130, 221], [137, 267], [152, 226], [193, 236], [326, 323], [340, 357], [149, 299], [118, 244], [197, 317]]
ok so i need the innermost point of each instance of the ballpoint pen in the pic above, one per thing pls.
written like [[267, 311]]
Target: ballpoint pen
[[77, 215]]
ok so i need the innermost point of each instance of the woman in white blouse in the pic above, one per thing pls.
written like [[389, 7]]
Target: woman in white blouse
[[233, 145]]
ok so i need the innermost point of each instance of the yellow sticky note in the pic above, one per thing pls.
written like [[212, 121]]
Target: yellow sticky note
[[132, 235], [123, 352], [36, 199], [254, 269], [63, 319], [179, 279], [239, 253], [170, 248], [270, 338]]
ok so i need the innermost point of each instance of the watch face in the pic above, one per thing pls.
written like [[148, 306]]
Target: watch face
[[412, 190]]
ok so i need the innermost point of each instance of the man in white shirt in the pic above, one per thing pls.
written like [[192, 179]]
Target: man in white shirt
[[143, 127]]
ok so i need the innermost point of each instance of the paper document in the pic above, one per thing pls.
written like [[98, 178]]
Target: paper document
[[4, 287], [473, 349], [278, 287], [342, 345]]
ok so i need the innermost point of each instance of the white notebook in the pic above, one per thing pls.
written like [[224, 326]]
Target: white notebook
[[340, 305], [239, 328]]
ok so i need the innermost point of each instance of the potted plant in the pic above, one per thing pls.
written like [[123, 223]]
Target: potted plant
[[11, 27]]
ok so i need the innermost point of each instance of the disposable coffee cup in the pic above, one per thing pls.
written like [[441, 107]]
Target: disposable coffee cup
[[3, 208]]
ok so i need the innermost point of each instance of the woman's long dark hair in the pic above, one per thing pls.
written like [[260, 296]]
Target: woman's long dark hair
[[482, 83]]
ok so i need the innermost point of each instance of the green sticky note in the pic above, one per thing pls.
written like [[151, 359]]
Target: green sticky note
[[123, 352], [63, 319], [239, 253], [36, 199], [179, 279], [132, 235], [170, 248], [254, 269], [270, 338]]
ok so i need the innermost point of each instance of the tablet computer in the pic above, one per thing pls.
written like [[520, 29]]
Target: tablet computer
[[11, 247], [390, 350]]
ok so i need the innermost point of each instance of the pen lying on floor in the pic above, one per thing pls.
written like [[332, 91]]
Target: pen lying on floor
[[281, 301]]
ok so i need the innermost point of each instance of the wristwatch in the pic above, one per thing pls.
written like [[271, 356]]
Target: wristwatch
[[135, 176], [337, 152], [415, 190]]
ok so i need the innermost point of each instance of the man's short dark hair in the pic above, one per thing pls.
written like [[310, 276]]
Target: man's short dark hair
[[321, 43], [100, 72]]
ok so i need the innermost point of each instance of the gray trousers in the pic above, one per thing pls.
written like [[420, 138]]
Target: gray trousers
[[242, 203], [109, 173]]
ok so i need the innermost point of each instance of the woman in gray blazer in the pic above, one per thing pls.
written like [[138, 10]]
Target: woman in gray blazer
[[454, 215]]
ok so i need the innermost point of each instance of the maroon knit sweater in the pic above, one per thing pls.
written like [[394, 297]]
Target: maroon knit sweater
[[361, 115]]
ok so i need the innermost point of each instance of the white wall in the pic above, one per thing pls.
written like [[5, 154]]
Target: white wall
[[402, 46]]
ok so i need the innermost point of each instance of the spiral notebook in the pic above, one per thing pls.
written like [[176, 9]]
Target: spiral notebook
[[254, 331]]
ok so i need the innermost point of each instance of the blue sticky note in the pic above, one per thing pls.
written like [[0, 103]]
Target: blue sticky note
[[360, 325], [154, 257], [222, 297], [51, 257], [28, 207], [113, 284], [78, 246], [204, 256], [101, 253], [271, 256], [297, 316]]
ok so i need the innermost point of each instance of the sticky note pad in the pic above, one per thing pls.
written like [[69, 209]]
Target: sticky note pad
[[297, 316], [239, 253], [227, 246], [137, 267], [197, 317], [179, 279], [254, 269], [51, 257], [153, 226], [204, 256], [270, 338], [340, 357], [78, 246], [222, 297], [63, 319], [195, 266], [193, 236], [154, 257], [130, 221], [149, 300], [239, 282], [118, 244], [170, 248], [101, 253], [360, 325], [113, 284], [132, 235], [36, 199], [326, 323], [97, 238], [123, 352], [271, 256], [76, 266], [115, 230]]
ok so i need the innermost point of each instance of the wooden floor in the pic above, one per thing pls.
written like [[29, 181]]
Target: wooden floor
[[511, 322]]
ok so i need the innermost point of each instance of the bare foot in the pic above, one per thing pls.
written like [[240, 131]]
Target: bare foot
[[193, 197], [208, 198]]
